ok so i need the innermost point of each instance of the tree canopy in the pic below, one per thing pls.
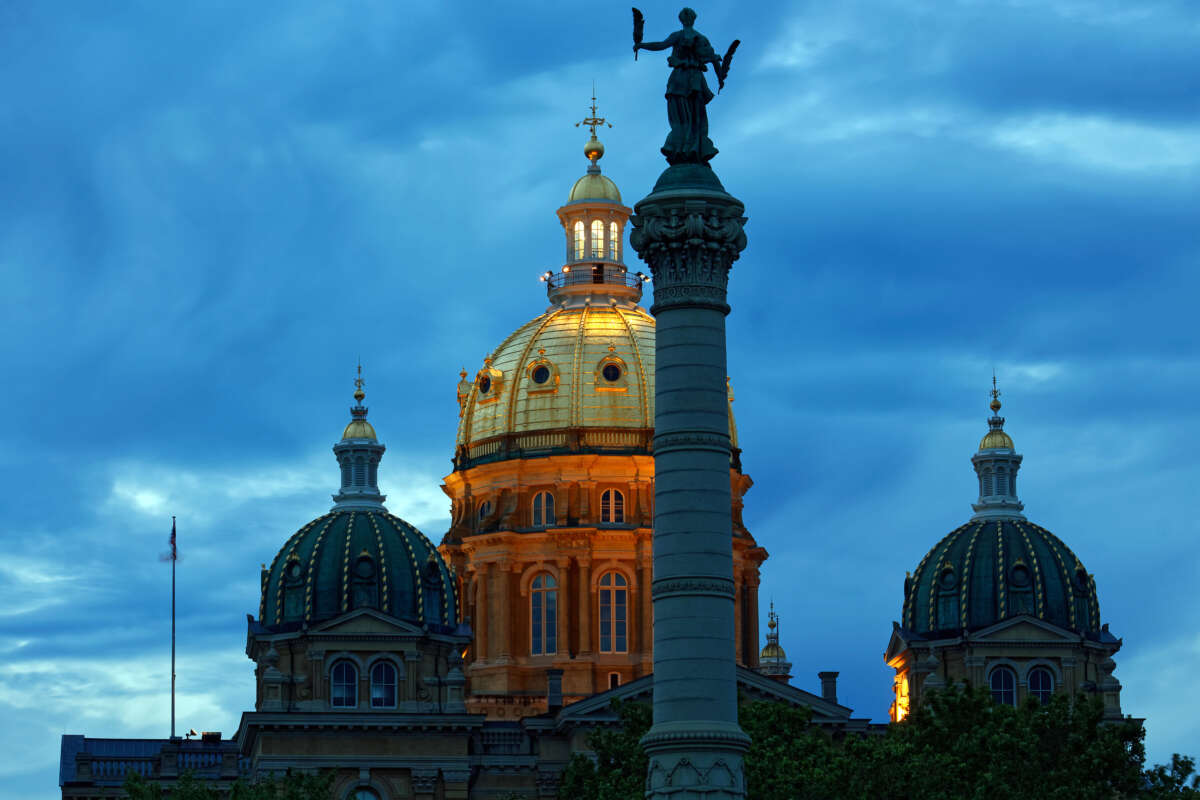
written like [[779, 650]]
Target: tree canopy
[[959, 745]]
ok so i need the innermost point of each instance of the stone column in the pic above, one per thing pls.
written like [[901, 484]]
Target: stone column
[[481, 613], [585, 608], [689, 232], [504, 623], [564, 607]]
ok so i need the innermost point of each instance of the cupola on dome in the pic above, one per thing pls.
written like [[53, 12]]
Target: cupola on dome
[[358, 555], [999, 565]]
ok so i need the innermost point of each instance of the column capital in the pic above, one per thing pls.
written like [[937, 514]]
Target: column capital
[[689, 237]]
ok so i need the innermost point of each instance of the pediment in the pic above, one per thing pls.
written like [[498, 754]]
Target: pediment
[[1024, 629], [897, 643], [366, 622], [751, 685]]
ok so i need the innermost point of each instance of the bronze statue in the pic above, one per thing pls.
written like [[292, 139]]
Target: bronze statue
[[687, 90]]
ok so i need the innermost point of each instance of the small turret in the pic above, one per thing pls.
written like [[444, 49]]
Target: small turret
[[358, 454], [996, 465], [772, 661]]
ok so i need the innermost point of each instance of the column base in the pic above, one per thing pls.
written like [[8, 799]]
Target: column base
[[695, 761]]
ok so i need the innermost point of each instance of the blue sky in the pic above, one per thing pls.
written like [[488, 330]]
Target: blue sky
[[209, 214]]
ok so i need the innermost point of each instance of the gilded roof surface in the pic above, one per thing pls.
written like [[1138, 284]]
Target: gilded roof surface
[[990, 570], [594, 187], [574, 345], [357, 559]]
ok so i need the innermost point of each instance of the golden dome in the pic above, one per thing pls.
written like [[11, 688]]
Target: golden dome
[[996, 439], [575, 366], [773, 650], [359, 429], [594, 186]]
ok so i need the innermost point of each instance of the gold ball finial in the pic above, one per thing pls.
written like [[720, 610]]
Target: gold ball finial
[[359, 394], [995, 396], [594, 150]]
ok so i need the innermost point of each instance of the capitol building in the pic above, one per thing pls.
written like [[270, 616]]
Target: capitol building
[[472, 662]]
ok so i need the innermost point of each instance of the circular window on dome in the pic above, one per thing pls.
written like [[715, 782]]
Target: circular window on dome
[[1019, 575], [293, 570], [947, 579], [365, 568], [485, 384], [1081, 579], [540, 374], [611, 373]]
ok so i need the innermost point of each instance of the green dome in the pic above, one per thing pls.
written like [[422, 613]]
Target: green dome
[[358, 558], [993, 569]]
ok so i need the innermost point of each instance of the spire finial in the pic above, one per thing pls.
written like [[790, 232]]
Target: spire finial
[[995, 395], [593, 149], [359, 394]]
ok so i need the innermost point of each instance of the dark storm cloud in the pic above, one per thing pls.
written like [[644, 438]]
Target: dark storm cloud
[[209, 214]]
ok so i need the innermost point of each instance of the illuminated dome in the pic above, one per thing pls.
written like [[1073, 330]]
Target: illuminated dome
[[594, 187], [999, 565], [358, 555]]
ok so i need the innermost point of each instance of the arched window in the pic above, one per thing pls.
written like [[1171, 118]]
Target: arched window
[[485, 508], [543, 616], [1041, 684], [363, 794], [612, 506], [578, 240], [543, 510], [613, 603], [343, 689], [1003, 682], [597, 239], [614, 240], [383, 685]]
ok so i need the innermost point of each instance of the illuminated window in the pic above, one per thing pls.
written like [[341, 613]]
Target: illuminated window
[[614, 240], [543, 510], [613, 604], [343, 685], [1003, 682], [578, 240], [1041, 684], [597, 239], [383, 685], [612, 506], [543, 616]]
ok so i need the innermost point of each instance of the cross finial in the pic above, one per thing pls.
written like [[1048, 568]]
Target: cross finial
[[593, 121]]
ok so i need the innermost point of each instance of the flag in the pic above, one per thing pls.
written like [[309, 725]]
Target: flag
[[174, 554]]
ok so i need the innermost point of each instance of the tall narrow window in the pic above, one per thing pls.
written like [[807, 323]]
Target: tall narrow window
[[578, 240], [383, 685], [543, 510], [1003, 682], [1041, 684], [597, 239], [1001, 482], [612, 506], [343, 685], [543, 616], [614, 596], [614, 241]]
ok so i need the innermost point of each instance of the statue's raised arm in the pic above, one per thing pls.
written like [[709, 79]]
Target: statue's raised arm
[[687, 90]]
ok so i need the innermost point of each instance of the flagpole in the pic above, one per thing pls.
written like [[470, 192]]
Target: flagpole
[[174, 558]]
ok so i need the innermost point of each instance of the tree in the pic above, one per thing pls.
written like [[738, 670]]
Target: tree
[[618, 771], [292, 786]]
